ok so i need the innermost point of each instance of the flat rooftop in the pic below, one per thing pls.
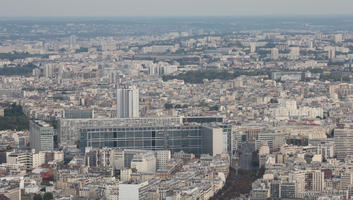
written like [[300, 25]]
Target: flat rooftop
[[41, 123]]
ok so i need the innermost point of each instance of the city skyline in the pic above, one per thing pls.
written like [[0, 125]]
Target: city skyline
[[208, 100]]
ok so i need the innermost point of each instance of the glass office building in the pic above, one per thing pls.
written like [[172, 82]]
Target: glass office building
[[69, 129], [174, 138], [169, 133]]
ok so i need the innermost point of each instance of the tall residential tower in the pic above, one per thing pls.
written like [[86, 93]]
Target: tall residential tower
[[127, 102]]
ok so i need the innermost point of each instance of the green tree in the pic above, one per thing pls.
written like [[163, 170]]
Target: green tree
[[14, 119], [198, 76], [46, 183], [168, 106], [178, 106], [13, 110], [273, 100], [18, 55], [37, 197], [214, 108], [18, 70], [48, 196]]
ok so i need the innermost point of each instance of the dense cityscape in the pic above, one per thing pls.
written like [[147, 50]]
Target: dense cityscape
[[176, 108]]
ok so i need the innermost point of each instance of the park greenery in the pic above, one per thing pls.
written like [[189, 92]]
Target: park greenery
[[169, 106], [199, 75], [14, 119], [17, 70], [19, 55], [46, 196]]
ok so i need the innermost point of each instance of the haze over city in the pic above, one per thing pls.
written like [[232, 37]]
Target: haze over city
[[92, 8]]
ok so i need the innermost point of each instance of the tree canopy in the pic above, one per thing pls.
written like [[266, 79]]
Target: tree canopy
[[17, 70], [48, 196], [14, 119]]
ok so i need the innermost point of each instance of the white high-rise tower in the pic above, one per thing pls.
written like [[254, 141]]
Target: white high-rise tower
[[127, 102], [252, 47], [331, 53], [274, 54]]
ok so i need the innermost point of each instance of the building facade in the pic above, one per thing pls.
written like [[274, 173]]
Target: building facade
[[142, 133], [69, 129], [173, 138], [41, 136], [343, 143], [127, 103]]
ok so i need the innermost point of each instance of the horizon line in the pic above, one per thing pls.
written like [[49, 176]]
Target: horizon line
[[184, 16]]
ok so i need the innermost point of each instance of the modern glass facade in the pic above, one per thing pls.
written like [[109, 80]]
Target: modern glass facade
[[173, 138], [69, 129]]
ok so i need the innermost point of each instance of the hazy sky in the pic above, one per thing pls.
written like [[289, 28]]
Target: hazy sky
[[173, 7]]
